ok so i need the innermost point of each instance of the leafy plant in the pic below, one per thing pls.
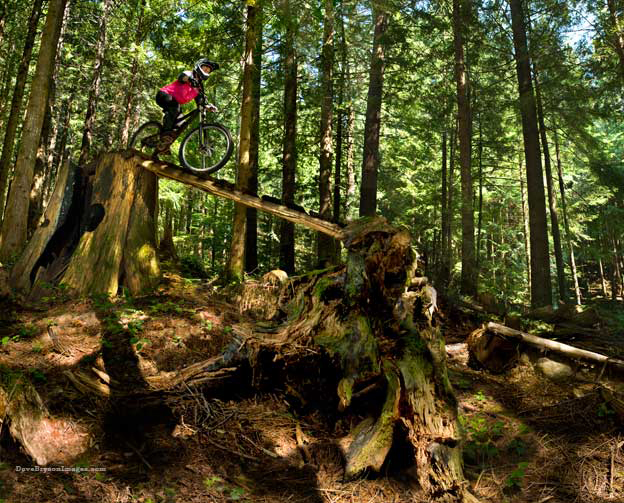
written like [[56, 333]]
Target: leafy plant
[[218, 484], [37, 375], [605, 410], [479, 395], [514, 480], [27, 331], [139, 343]]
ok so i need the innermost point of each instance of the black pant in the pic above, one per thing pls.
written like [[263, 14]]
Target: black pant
[[171, 109]]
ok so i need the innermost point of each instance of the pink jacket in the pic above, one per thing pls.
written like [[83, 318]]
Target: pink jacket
[[182, 92]]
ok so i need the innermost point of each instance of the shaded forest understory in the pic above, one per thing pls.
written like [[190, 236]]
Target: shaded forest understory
[[264, 438]]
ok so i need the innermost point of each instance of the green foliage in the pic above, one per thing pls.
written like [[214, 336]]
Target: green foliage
[[215, 483], [605, 410], [168, 307], [481, 434], [149, 43], [514, 480]]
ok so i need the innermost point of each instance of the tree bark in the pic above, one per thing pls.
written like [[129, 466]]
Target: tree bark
[[480, 210], [44, 155], [445, 270], [94, 90], [289, 155], [15, 223], [468, 275], [525, 225], [134, 71], [338, 171], [617, 28], [350, 196], [448, 239], [236, 262], [541, 290], [251, 227], [16, 102], [566, 226], [372, 126], [552, 200], [325, 245]]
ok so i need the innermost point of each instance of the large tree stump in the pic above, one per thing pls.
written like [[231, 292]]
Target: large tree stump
[[98, 235], [376, 321]]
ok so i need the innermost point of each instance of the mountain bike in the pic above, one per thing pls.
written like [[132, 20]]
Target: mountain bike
[[204, 150]]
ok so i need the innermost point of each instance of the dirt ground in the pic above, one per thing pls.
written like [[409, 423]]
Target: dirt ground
[[527, 439]]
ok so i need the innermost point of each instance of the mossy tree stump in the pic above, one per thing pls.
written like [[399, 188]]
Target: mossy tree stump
[[99, 232], [376, 320]]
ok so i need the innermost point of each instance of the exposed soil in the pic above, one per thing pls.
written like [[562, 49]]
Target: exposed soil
[[527, 439]]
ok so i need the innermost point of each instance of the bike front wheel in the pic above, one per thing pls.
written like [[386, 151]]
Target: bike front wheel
[[146, 138], [206, 149]]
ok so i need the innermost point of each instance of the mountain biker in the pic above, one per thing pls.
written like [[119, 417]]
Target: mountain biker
[[181, 91]]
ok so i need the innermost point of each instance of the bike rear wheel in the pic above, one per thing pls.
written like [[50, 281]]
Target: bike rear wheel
[[206, 149], [146, 138]]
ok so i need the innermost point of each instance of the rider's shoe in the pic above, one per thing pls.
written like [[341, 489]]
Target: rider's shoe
[[168, 136]]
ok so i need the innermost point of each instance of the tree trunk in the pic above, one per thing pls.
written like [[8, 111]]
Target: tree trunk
[[617, 29], [134, 72], [251, 228], [445, 270], [541, 291], [16, 102], [15, 223], [7, 80], [448, 239], [552, 200], [480, 214], [372, 126], [94, 90], [350, 195], [338, 172], [42, 164], [289, 156], [566, 226], [325, 245], [468, 275], [525, 226], [236, 263]]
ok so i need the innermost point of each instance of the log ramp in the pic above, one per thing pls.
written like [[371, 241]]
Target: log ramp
[[366, 332]]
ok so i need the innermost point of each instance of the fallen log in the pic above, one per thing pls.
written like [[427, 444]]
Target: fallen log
[[496, 347], [224, 189], [558, 347]]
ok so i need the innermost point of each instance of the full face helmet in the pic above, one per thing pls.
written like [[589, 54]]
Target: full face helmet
[[201, 72]]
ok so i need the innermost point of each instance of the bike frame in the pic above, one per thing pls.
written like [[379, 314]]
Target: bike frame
[[189, 117]]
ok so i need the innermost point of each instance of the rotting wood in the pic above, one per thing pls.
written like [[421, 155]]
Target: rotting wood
[[54, 216], [44, 438], [225, 189]]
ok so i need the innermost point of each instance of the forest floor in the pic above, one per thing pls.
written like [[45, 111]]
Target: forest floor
[[527, 438]]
